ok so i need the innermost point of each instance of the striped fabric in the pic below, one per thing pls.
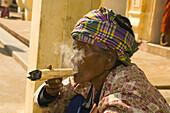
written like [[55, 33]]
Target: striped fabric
[[99, 28]]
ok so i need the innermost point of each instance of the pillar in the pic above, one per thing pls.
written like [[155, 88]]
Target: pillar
[[50, 40], [138, 11], [156, 21], [146, 18], [21, 6], [28, 9], [116, 5]]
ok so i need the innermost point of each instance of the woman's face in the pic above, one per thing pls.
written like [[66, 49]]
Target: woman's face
[[88, 62]]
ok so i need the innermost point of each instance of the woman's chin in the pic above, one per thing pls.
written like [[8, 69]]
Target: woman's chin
[[77, 79]]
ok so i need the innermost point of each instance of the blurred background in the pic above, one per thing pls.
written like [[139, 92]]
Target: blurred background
[[37, 33]]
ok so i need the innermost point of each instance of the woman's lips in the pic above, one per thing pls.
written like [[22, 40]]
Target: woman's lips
[[75, 76], [75, 71]]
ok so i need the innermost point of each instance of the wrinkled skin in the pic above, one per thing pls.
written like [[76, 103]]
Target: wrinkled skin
[[94, 65], [54, 86], [90, 64]]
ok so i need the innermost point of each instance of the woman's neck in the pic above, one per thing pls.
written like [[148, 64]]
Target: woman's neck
[[98, 81]]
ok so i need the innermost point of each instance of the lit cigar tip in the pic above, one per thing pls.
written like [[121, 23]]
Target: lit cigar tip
[[34, 75]]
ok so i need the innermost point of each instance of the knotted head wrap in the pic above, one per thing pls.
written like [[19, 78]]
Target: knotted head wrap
[[100, 28]]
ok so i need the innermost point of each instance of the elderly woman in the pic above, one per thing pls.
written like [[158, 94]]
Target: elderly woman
[[105, 80]]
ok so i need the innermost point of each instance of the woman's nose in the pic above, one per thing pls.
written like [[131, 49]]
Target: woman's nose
[[72, 58]]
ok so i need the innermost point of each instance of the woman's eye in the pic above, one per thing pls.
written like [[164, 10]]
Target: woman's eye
[[74, 47]]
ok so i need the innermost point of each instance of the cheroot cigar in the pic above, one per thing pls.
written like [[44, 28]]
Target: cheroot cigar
[[44, 74]]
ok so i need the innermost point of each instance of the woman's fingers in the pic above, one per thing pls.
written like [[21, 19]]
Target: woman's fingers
[[52, 91], [54, 86], [54, 80]]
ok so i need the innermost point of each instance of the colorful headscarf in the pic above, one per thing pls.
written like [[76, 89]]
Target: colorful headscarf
[[99, 28]]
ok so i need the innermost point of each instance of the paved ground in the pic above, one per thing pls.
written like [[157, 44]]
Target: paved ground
[[14, 24], [156, 68], [12, 84]]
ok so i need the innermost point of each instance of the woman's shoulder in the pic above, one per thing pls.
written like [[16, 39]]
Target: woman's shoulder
[[122, 71], [131, 67], [125, 76]]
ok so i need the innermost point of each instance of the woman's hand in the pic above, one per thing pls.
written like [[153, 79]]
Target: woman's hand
[[54, 86]]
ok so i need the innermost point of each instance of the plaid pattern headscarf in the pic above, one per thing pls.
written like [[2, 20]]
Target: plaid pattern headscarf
[[99, 28]]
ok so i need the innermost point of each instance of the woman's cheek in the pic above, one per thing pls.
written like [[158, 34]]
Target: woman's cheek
[[78, 59], [81, 56]]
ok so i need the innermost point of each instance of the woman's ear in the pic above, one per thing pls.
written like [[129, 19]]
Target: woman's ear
[[111, 59]]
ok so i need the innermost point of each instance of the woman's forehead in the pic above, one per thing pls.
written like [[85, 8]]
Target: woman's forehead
[[87, 47], [84, 45], [80, 44]]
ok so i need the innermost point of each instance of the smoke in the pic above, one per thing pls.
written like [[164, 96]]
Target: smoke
[[78, 59], [67, 53]]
